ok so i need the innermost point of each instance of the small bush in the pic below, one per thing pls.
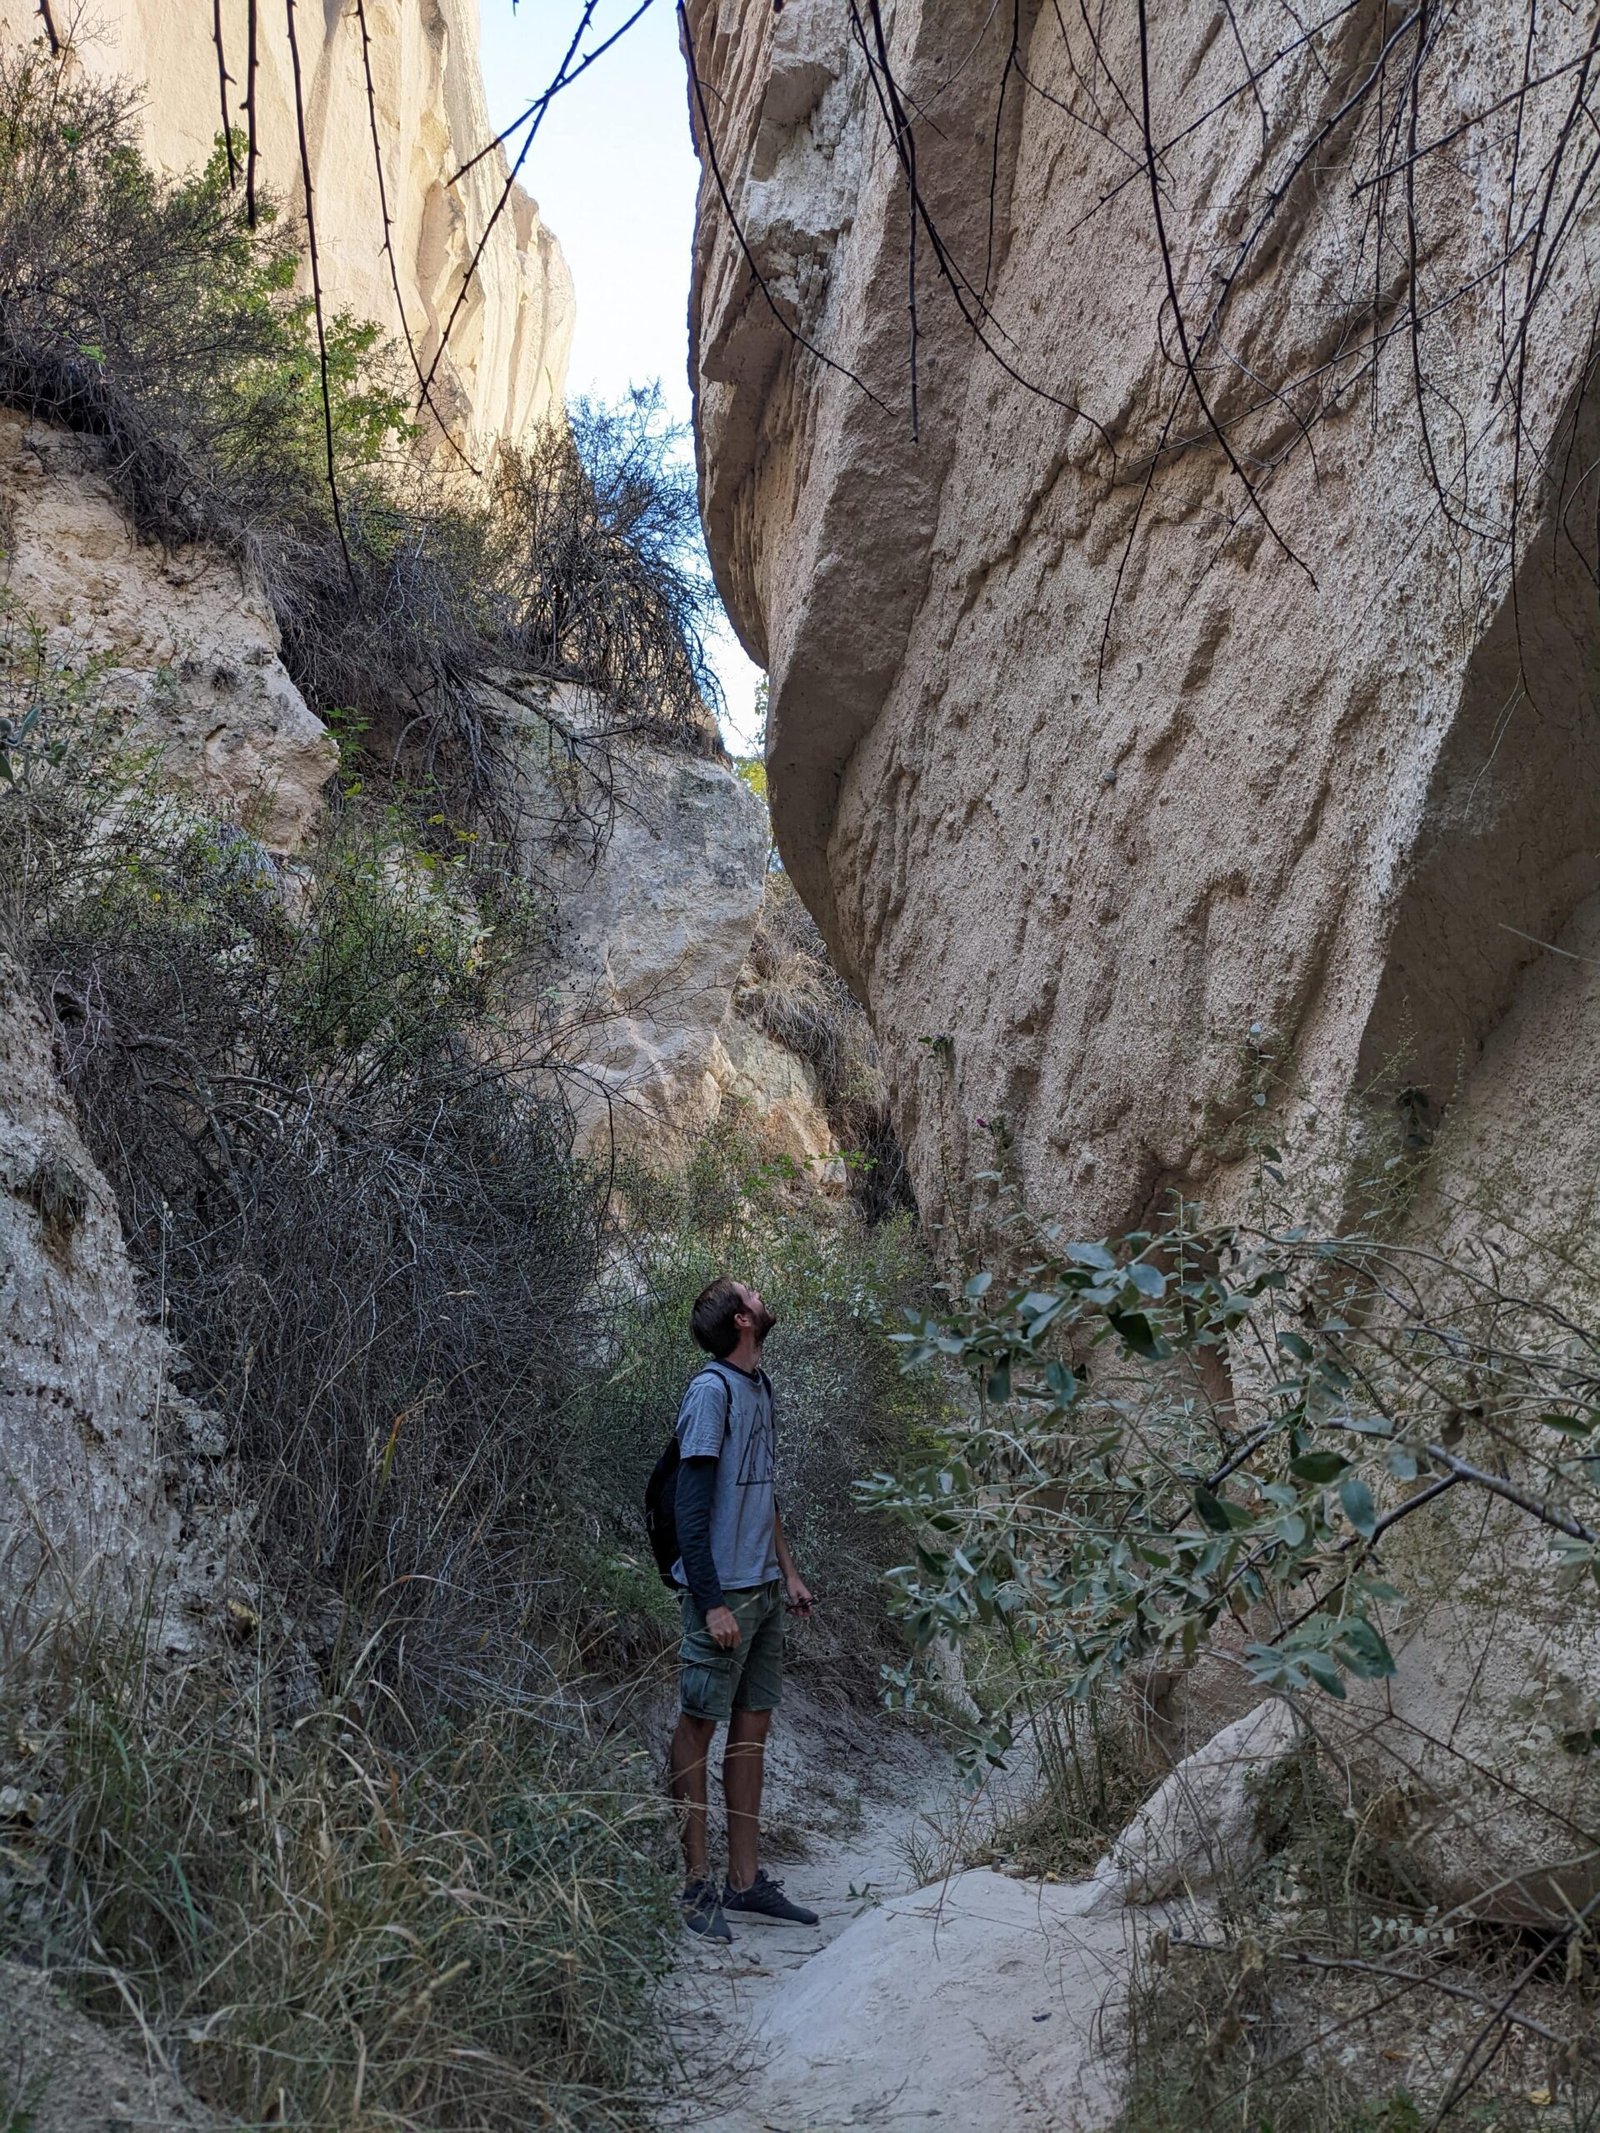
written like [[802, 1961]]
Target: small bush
[[600, 572]]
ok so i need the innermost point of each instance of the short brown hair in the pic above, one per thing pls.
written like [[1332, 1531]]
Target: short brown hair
[[712, 1319]]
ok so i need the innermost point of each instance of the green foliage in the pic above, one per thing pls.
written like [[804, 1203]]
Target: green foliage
[[1176, 1430], [152, 304], [148, 314]]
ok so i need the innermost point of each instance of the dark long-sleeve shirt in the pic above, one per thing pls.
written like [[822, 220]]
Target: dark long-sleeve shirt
[[697, 1486]]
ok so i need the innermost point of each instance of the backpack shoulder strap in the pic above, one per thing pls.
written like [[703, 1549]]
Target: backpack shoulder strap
[[713, 1369]]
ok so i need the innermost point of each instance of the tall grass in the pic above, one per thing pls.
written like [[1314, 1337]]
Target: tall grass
[[322, 1929]]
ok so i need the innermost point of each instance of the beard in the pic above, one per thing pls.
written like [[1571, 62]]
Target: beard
[[765, 1320]]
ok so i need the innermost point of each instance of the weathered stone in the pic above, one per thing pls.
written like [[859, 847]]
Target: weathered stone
[[1139, 840], [657, 931], [67, 2074], [181, 646], [779, 1099], [85, 1392], [657, 861], [1199, 1827]]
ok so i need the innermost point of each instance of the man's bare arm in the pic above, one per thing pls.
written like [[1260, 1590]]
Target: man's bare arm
[[796, 1592]]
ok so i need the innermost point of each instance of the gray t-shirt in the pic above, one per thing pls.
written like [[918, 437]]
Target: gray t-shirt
[[727, 1416]]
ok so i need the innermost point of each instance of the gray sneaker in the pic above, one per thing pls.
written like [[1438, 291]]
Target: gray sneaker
[[702, 1913], [764, 1898]]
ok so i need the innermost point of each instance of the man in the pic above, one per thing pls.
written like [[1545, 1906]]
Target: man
[[737, 1577]]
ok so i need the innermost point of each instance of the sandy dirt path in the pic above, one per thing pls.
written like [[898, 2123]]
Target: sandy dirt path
[[927, 1997]]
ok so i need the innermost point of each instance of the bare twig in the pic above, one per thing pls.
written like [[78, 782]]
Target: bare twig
[[316, 289]]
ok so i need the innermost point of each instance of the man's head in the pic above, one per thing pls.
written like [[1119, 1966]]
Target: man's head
[[726, 1311]]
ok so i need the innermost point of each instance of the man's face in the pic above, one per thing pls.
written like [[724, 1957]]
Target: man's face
[[761, 1319]]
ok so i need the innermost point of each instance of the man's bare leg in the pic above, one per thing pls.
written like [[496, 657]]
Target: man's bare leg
[[743, 1765], [686, 1781]]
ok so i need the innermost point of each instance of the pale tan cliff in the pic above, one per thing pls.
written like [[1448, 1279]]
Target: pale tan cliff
[[1149, 831], [182, 643], [505, 367], [1127, 845]]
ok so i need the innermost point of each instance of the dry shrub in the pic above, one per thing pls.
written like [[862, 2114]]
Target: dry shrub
[[148, 314], [1320, 1992], [335, 1128]]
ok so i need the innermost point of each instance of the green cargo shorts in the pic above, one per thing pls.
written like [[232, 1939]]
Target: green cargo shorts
[[713, 1683]]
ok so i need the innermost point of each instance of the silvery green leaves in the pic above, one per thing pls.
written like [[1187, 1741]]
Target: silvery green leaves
[[1173, 1431]]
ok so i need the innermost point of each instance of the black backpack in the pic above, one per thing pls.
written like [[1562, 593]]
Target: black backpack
[[661, 1492]]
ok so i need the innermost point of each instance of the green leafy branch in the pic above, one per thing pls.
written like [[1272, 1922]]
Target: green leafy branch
[[1175, 1430]]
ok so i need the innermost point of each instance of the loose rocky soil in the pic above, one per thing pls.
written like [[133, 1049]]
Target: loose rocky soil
[[62, 2073]]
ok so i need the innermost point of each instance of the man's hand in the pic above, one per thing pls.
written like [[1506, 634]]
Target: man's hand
[[723, 1624], [799, 1596]]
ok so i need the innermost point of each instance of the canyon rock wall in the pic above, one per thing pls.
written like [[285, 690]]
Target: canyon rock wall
[[1126, 799], [657, 861], [505, 366], [181, 645], [1170, 535]]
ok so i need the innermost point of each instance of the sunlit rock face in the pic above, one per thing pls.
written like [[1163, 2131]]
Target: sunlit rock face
[[181, 644], [1143, 804], [657, 862], [505, 366], [1157, 821]]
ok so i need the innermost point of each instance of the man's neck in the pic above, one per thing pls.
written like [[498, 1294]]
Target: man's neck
[[746, 1357]]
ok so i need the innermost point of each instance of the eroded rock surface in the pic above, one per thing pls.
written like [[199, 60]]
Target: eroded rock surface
[[1200, 1827], [657, 860], [88, 1417], [66, 2074], [179, 648], [1146, 818], [505, 366]]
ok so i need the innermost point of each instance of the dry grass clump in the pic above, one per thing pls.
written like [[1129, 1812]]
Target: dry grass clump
[[318, 1929], [1325, 1992], [792, 990], [1095, 1766]]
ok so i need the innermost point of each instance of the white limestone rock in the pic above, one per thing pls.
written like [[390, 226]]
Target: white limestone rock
[[1198, 1828], [183, 645]]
